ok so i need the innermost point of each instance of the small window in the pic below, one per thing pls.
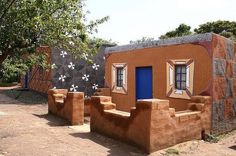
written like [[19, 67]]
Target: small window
[[119, 76], [180, 77], [119, 72]]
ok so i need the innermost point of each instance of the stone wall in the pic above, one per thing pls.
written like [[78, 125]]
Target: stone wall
[[224, 85], [152, 125], [68, 105]]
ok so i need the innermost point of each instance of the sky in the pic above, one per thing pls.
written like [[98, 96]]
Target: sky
[[134, 19]]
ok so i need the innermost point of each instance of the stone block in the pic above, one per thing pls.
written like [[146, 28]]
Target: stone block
[[219, 47], [234, 107], [234, 69], [234, 51], [217, 112], [219, 67], [234, 87], [229, 68], [228, 108], [229, 50], [219, 88], [229, 87]]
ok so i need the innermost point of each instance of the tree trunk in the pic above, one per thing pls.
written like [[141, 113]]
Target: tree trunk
[[2, 58]]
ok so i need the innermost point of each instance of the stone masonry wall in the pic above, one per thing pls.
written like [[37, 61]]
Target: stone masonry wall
[[224, 85]]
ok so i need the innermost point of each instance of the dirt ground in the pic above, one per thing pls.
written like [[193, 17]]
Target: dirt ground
[[27, 130]]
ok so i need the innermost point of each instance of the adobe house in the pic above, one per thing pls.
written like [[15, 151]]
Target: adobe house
[[176, 70], [67, 72]]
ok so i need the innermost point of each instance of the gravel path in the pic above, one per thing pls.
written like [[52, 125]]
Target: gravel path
[[27, 130]]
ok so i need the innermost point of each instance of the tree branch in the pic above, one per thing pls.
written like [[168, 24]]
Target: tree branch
[[6, 10]]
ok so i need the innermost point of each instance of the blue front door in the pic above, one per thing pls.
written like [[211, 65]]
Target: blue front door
[[143, 83]]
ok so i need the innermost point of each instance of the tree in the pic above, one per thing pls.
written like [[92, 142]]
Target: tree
[[27, 24], [224, 28], [181, 30], [143, 39]]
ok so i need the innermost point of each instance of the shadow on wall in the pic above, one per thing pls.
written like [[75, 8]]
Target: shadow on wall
[[114, 147]]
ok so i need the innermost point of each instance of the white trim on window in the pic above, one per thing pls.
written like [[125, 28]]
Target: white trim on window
[[171, 91], [115, 88]]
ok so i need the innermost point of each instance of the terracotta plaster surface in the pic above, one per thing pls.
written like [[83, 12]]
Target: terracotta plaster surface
[[152, 125], [214, 74], [71, 108], [40, 80], [156, 58], [27, 129]]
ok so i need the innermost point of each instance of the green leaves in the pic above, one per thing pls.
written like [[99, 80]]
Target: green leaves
[[224, 28], [13, 67], [27, 24], [182, 30]]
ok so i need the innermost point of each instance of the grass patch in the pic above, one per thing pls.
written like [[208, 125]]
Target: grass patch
[[172, 151], [211, 138], [5, 84], [216, 138], [27, 97]]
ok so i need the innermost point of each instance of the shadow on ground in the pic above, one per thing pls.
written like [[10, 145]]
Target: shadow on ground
[[233, 147], [25, 96], [53, 120], [116, 148]]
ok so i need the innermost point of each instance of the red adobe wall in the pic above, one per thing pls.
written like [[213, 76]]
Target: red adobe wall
[[68, 105], [40, 80], [152, 125]]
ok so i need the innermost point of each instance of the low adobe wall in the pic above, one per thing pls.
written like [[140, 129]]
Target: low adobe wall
[[68, 105], [152, 125]]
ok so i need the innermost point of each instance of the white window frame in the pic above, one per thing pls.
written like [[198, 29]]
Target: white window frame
[[171, 91], [115, 88]]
